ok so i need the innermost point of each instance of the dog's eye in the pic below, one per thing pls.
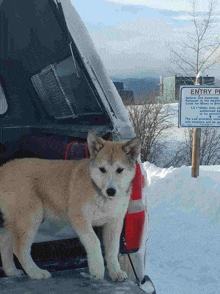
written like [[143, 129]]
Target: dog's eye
[[102, 169], [119, 170]]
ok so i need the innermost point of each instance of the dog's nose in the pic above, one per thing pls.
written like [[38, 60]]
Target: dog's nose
[[111, 191]]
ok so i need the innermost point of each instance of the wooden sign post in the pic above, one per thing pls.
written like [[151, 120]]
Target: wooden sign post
[[196, 147], [196, 152]]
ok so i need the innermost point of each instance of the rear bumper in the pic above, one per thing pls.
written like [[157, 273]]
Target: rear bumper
[[71, 281]]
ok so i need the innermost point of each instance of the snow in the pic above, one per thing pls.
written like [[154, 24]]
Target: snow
[[183, 246]]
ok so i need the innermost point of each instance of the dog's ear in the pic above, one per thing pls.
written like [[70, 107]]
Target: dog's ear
[[95, 144], [132, 148]]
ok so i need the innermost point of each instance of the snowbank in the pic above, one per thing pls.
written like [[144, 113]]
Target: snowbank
[[183, 247]]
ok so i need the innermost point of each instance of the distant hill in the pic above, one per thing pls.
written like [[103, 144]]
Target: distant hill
[[217, 82], [139, 86]]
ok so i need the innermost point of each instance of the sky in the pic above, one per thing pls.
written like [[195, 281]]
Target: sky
[[132, 36]]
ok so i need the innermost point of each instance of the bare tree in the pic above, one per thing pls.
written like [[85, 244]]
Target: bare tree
[[200, 50], [209, 151], [150, 120], [182, 154]]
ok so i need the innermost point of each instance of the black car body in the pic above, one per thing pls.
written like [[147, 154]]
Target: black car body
[[53, 89]]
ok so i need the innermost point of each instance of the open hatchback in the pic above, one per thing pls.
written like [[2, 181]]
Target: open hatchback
[[53, 89]]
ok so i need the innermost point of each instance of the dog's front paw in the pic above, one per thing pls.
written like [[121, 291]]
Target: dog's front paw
[[38, 274], [97, 272], [14, 272], [118, 276]]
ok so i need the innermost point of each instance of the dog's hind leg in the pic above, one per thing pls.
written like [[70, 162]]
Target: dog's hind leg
[[24, 237], [6, 249]]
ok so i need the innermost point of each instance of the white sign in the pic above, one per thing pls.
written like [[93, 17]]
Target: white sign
[[199, 106]]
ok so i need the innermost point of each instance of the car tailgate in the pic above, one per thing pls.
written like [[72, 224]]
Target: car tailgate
[[75, 281]]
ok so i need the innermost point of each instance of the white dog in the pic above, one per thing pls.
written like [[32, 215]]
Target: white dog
[[84, 193]]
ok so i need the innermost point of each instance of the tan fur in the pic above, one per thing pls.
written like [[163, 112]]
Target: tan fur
[[32, 190]]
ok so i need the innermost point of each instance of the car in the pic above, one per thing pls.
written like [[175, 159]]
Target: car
[[54, 88]]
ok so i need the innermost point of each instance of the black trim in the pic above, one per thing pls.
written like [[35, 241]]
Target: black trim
[[1, 219], [147, 279]]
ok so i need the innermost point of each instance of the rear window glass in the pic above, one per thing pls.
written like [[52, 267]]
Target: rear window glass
[[64, 90]]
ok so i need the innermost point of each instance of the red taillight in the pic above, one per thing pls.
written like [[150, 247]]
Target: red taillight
[[138, 183], [134, 229], [135, 217]]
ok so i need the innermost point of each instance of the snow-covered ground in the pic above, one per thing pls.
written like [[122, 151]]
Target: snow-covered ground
[[184, 243]]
